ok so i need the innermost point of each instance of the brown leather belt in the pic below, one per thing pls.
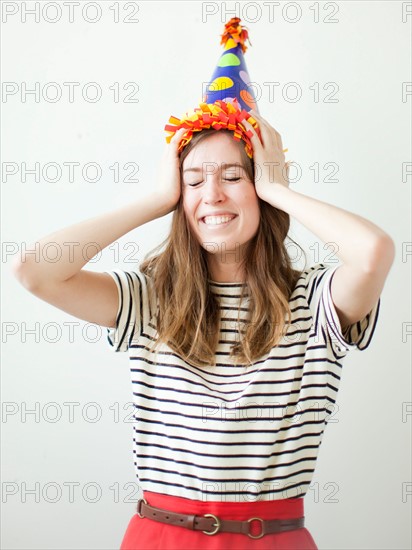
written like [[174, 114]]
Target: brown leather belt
[[211, 524]]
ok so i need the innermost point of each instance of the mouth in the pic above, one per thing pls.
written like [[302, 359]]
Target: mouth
[[217, 221]]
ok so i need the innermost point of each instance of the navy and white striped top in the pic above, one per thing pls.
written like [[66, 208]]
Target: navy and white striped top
[[232, 433]]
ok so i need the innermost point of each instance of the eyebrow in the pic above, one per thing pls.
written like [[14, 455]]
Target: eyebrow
[[224, 166]]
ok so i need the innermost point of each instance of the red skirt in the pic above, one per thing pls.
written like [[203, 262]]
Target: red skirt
[[147, 534]]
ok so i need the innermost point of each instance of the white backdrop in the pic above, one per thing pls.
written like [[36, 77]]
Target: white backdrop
[[342, 104]]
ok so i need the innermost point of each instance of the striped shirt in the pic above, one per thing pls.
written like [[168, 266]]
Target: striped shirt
[[232, 433]]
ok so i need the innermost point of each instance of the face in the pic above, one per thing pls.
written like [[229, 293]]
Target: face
[[215, 186]]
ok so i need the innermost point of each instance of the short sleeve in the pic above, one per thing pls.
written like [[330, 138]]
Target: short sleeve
[[325, 318], [128, 318]]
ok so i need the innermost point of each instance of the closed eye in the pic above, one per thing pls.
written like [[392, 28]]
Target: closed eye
[[225, 179]]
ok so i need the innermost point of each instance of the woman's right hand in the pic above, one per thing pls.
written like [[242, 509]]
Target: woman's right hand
[[169, 184]]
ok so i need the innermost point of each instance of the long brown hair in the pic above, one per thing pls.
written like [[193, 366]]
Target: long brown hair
[[188, 315]]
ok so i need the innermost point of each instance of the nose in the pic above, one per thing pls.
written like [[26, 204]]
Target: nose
[[213, 191]]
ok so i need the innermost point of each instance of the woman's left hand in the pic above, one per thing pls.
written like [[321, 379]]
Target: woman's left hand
[[271, 170]]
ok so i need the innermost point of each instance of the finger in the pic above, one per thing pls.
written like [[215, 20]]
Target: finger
[[272, 136], [174, 144], [279, 138], [255, 138], [264, 122], [259, 118], [288, 165], [255, 114], [178, 135], [268, 134]]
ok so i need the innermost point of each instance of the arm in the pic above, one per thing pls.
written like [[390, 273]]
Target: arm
[[367, 252], [85, 294], [72, 242]]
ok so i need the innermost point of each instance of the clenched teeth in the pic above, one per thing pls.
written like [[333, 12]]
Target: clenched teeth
[[216, 220]]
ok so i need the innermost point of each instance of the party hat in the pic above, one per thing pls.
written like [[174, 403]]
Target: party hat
[[228, 97], [231, 78]]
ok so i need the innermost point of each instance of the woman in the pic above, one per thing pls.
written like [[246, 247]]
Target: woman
[[235, 356]]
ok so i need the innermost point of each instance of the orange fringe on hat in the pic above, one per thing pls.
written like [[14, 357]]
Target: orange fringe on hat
[[217, 115], [234, 30]]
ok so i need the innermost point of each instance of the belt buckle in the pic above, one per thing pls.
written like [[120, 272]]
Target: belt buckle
[[262, 530], [139, 502], [216, 525]]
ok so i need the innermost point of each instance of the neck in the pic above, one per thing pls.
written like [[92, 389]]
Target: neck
[[225, 272]]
